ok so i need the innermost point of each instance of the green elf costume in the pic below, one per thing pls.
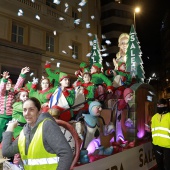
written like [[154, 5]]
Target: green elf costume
[[63, 98], [53, 76]]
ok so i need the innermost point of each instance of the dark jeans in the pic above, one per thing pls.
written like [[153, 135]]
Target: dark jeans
[[162, 156]]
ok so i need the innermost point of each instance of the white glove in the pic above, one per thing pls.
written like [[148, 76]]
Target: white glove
[[35, 80]]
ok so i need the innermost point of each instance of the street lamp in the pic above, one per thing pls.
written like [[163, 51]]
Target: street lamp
[[136, 10]]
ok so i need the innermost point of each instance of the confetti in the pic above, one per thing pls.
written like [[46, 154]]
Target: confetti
[[61, 18], [82, 3], [91, 43], [103, 48], [79, 9], [58, 64], [31, 74], [66, 10], [89, 34], [105, 55], [56, 2], [88, 55], [70, 47], [55, 32], [92, 17], [20, 12], [88, 25], [52, 59], [103, 37], [77, 21], [64, 52], [33, 1], [66, 5], [74, 56], [37, 17], [107, 64], [108, 42]]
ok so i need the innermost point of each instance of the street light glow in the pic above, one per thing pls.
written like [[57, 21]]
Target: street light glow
[[137, 9]]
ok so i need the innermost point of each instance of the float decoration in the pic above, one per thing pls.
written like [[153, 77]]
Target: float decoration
[[95, 56], [134, 61]]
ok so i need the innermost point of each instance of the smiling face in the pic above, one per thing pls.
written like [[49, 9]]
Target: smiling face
[[8, 85], [65, 82], [30, 112], [123, 44], [86, 78], [44, 84], [23, 96]]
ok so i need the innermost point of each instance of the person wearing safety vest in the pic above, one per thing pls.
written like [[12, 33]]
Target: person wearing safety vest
[[41, 143], [160, 127]]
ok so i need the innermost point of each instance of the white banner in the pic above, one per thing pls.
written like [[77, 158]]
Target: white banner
[[137, 158]]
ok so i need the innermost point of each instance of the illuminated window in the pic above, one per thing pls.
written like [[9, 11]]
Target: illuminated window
[[49, 43], [17, 33]]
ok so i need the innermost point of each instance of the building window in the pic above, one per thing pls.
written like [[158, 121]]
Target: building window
[[49, 43], [75, 50], [17, 33]]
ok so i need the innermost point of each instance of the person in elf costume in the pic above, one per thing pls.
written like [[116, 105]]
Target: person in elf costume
[[20, 96], [121, 78], [53, 76], [123, 45], [63, 98], [7, 94], [101, 81], [82, 67], [44, 94]]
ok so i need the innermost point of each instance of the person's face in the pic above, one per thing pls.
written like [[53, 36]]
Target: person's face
[[123, 44], [93, 70], [8, 85], [65, 82], [96, 110], [30, 112], [86, 78], [44, 84], [23, 96]]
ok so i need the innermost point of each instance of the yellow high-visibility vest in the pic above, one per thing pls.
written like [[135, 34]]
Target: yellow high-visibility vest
[[37, 157], [161, 130]]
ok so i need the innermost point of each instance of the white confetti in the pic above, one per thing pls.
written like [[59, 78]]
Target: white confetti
[[37, 17], [91, 43], [89, 34], [79, 9], [105, 55], [52, 59], [64, 52], [55, 32], [103, 37], [77, 21], [103, 48], [74, 56], [61, 18], [107, 64], [33, 1], [31, 74], [66, 5], [70, 47], [88, 55], [66, 10], [87, 25], [20, 12], [56, 2], [92, 17], [58, 64], [108, 42], [82, 3]]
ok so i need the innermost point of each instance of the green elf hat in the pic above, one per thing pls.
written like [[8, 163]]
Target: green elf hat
[[98, 66], [83, 65], [62, 76]]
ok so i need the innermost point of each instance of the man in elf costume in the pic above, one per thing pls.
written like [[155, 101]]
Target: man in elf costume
[[100, 80], [63, 98]]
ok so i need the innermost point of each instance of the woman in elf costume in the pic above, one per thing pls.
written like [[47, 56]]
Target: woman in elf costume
[[44, 94], [63, 98], [20, 96]]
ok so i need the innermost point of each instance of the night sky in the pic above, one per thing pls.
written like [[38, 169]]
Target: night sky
[[148, 28]]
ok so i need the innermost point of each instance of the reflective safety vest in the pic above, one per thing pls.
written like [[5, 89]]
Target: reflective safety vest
[[37, 158], [161, 130]]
